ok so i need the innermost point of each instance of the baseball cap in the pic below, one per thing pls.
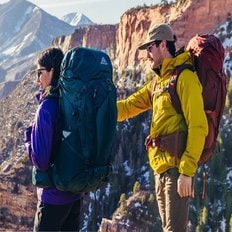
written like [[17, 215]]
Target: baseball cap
[[158, 32]]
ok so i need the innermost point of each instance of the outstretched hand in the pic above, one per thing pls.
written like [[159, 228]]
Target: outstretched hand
[[185, 186]]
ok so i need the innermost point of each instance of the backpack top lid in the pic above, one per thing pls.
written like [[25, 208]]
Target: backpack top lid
[[85, 63], [209, 48]]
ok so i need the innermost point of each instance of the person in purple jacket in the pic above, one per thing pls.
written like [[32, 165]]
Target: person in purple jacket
[[56, 210]]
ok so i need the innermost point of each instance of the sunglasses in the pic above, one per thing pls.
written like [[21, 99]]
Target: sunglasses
[[39, 72], [150, 47], [156, 43]]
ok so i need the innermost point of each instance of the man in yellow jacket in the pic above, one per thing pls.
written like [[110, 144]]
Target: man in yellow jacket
[[173, 175]]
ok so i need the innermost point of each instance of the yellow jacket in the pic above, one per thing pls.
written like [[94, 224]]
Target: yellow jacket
[[165, 120]]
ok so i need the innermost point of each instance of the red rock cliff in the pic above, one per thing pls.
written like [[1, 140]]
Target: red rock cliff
[[187, 19], [121, 41], [102, 37]]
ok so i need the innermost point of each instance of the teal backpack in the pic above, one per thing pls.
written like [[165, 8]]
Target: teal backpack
[[88, 114]]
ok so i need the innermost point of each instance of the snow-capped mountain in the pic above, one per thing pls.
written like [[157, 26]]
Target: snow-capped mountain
[[25, 30], [77, 19]]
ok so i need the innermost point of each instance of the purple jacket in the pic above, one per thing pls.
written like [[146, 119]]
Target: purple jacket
[[44, 131]]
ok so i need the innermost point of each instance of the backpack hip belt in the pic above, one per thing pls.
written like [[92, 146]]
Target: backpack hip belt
[[174, 143]]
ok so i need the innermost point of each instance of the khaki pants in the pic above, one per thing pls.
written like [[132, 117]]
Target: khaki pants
[[173, 209]]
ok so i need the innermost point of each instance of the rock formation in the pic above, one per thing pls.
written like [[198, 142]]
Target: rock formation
[[186, 17], [121, 41], [136, 214], [101, 37]]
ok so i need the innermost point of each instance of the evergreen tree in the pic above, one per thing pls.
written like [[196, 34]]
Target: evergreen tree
[[122, 200], [230, 226], [203, 219], [204, 216], [122, 206], [228, 208], [136, 187], [151, 198]]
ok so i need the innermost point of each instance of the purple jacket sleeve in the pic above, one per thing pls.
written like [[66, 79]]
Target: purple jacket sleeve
[[42, 137]]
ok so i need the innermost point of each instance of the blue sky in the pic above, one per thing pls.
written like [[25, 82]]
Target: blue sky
[[99, 11]]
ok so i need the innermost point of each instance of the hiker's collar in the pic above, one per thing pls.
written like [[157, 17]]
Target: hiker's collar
[[43, 93], [172, 62]]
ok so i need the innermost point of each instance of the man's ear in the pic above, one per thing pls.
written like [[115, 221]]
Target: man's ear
[[52, 71], [163, 44]]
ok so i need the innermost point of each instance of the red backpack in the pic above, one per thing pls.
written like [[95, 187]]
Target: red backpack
[[208, 57]]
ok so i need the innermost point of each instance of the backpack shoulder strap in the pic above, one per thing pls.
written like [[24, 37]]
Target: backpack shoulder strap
[[172, 85]]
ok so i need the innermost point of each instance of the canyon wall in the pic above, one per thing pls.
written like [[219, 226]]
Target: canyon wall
[[102, 37], [187, 18]]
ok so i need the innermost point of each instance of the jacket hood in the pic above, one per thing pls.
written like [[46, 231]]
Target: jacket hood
[[170, 64]]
